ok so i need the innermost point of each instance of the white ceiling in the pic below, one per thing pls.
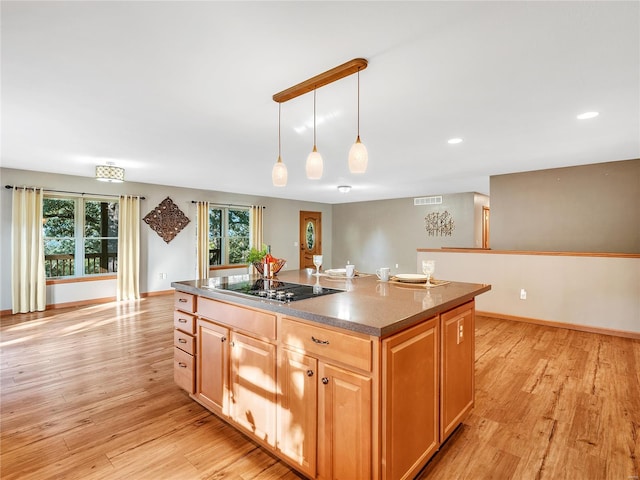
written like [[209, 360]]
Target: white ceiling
[[179, 93]]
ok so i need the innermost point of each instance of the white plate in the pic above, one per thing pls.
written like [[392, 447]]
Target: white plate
[[335, 272], [411, 277]]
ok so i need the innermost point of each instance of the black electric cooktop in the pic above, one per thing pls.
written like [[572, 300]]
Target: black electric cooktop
[[273, 289]]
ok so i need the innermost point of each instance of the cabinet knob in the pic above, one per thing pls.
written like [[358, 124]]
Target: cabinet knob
[[223, 339], [318, 341], [325, 380], [309, 373]]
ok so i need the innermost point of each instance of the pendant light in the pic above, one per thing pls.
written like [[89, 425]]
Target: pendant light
[[279, 172], [358, 156], [314, 160]]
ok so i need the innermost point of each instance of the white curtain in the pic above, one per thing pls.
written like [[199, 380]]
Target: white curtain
[[28, 283], [255, 223], [128, 285], [202, 245]]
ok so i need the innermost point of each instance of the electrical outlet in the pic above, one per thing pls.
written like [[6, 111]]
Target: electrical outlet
[[460, 331], [396, 265], [162, 276], [523, 294]]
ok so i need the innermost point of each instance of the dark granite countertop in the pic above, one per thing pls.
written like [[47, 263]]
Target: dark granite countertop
[[365, 305]]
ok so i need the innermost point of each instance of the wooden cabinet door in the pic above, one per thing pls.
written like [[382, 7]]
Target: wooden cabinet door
[[212, 371], [253, 386], [457, 377], [410, 399], [298, 409], [344, 424]]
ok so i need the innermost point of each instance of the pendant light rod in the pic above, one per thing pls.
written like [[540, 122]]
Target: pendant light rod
[[358, 103], [314, 118], [325, 78], [279, 113]]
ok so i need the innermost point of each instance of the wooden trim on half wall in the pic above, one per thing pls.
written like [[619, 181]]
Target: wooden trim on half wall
[[526, 252]]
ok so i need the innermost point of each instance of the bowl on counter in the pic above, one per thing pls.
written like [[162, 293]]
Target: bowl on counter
[[277, 266]]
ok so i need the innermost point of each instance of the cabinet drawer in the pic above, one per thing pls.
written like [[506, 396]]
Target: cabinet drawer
[[185, 322], [184, 301], [184, 341], [257, 322], [183, 371], [340, 347]]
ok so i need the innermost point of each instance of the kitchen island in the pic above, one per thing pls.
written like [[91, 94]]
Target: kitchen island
[[363, 379]]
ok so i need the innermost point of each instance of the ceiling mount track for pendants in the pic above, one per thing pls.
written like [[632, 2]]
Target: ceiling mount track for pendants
[[325, 78]]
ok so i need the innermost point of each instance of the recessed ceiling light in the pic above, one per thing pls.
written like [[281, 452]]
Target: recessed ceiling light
[[587, 115], [453, 141], [344, 188]]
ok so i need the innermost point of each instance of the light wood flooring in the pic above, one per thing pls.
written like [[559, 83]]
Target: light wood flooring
[[88, 393]]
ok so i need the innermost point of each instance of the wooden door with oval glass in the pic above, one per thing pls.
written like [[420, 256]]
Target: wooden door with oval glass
[[310, 237]]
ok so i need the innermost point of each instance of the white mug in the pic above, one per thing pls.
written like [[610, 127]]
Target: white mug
[[350, 270], [383, 273]]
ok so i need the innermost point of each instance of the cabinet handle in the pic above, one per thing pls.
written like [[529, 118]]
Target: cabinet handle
[[223, 339], [182, 365], [321, 342], [309, 373], [182, 300], [182, 340], [182, 320], [325, 380], [233, 344]]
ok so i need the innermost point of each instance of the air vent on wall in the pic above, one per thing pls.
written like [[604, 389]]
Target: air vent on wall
[[436, 200]]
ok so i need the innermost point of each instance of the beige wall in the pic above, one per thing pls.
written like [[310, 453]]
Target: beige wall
[[388, 232], [601, 292], [588, 208], [177, 258]]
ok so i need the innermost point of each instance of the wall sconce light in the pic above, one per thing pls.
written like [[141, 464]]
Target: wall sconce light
[[109, 173]]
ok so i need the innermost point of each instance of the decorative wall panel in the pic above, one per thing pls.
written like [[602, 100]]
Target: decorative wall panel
[[437, 223], [167, 220]]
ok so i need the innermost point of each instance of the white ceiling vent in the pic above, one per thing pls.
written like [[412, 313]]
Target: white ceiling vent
[[437, 200]]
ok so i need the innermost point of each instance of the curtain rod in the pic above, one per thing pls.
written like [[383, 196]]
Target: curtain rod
[[229, 204], [75, 193]]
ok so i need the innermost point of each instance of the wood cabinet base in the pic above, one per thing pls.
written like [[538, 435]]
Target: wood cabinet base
[[331, 403]]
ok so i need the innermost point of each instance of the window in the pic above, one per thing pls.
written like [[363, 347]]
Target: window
[[80, 228], [228, 235]]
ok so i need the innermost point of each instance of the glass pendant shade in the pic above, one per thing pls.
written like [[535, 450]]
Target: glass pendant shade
[[314, 160], [314, 165], [279, 174], [358, 157]]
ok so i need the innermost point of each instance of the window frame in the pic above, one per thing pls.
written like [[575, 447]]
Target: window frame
[[80, 202], [224, 237]]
